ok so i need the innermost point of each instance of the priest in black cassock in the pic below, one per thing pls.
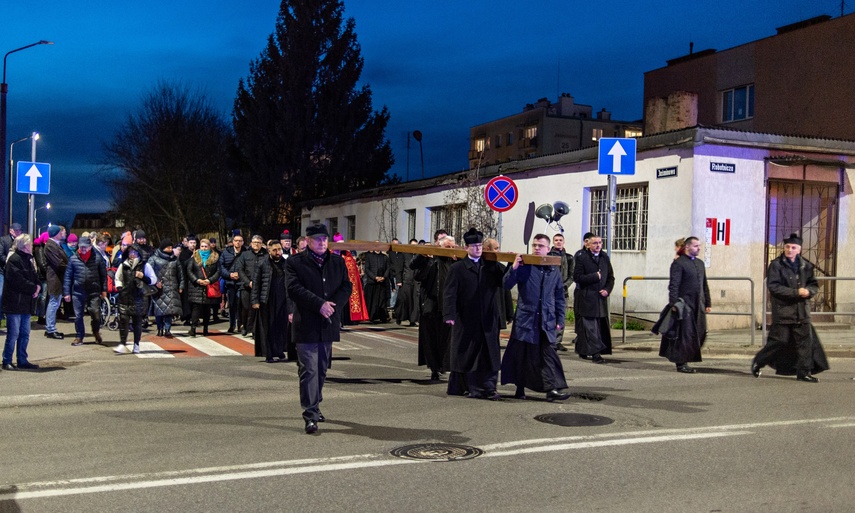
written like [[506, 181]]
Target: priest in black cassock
[[530, 360], [470, 307], [378, 276], [270, 298], [793, 346]]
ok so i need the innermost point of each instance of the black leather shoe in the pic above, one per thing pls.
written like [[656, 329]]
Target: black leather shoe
[[321, 417], [520, 393], [243, 332], [555, 395], [55, 335], [231, 329], [686, 369], [806, 378], [8, 366], [492, 395], [598, 359], [434, 376], [28, 365], [560, 347], [755, 369], [311, 427], [270, 360]]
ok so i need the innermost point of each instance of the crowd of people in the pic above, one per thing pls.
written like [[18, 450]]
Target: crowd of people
[[294, 299]]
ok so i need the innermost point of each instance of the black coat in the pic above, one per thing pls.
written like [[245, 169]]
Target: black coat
[[431, 273], [6, 244], [199, 293], [784, 284], [470, 299], [309, 286], [398, 262], [171, 277], [588, 301], [20, 284], [57, 261], [688, 282]]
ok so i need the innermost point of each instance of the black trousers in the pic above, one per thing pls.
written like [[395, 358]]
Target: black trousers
[[248, 314], [203, 311]]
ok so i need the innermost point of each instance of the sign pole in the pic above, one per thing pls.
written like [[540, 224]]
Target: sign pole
[[610, 219], [31, 204]]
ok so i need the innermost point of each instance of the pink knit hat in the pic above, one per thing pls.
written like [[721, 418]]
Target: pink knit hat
[[337, 237]]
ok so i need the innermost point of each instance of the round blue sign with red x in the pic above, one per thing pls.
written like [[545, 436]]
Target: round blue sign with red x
[[501, 194]]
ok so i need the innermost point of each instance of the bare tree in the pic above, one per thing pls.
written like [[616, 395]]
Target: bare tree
[[387, 219], [470, 193]]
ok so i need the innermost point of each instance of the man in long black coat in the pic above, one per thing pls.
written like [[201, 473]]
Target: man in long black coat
[[434, 334], [688, 281], [318, 287], [378, 274], [595, 280], [793, 346], [270, 298], [470, 307]]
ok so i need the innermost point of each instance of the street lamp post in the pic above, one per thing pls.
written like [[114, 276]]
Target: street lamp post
[[35, 137], [417, 135], [4, 88], [35, 212]]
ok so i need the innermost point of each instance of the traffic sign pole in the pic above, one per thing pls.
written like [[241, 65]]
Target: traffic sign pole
[[31, 204]]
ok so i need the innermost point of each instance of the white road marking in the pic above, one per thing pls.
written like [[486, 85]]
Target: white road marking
[[208, 346], [392, 341], [105, 484], [151, 350]]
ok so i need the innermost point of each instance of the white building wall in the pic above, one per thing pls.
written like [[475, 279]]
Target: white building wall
[[678, 207]]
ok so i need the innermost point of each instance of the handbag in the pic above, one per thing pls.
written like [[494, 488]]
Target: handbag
[[212, 289]]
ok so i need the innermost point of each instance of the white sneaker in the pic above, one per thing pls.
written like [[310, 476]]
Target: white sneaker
[[136, 349]]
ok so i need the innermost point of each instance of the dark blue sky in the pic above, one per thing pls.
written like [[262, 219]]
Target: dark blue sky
[[440, 67]]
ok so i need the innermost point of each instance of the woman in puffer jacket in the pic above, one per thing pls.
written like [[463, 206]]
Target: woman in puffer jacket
[[202, 270]]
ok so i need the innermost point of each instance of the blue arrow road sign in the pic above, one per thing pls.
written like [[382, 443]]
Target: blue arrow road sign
[[33, 178], [617, 156]]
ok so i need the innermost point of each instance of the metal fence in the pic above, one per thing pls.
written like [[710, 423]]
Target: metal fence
[[666, 278]]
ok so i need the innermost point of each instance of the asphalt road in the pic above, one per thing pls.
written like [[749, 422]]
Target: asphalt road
[[108, 432]]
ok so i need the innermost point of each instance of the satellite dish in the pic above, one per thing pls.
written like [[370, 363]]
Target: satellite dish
[[561, 210], [544, 212]]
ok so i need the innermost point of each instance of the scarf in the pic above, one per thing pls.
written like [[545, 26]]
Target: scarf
[[204, 253]]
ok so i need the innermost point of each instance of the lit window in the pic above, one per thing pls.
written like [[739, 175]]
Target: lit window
[[530, 132], [737, 103], [596, 134], [630, 228], [633, 133], [480, 144]]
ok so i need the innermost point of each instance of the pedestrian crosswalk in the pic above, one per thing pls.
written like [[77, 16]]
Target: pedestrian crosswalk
[[220, 343]]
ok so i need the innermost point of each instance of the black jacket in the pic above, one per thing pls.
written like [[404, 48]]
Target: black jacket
[[171, 276], [309, 286], [20, 284], [228, 261], [87, 278], [263, 279], [198, 294], [784, 284], [6, 244], [689, 281], [245, 266]]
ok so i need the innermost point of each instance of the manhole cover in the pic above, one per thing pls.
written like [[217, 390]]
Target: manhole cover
[[438, 452], [573, 419]]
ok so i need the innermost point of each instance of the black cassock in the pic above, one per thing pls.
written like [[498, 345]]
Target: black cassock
[[377, 294], [407, 304], [434, 334], [470, 299], [688, 282], [271, 335]]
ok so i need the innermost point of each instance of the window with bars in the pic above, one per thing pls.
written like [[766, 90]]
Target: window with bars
[[351, 227], [448, 218], [630, 228]]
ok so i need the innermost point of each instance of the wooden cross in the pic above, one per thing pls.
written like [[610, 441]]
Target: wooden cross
[[498, 256]]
